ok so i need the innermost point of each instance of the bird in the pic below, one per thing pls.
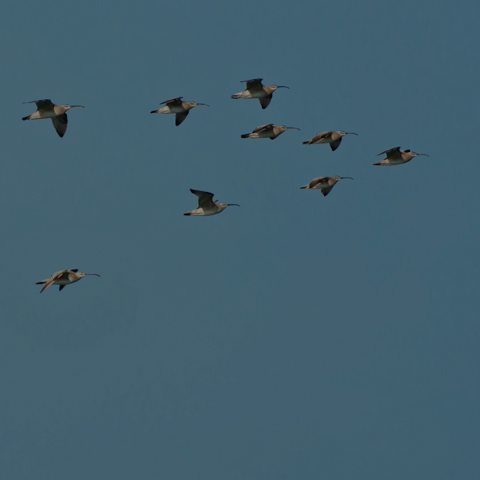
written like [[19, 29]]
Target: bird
[[268, 130], [332, 137], [255, 89], [395, 156], [324, 184], [206, 204], [178, 107], [64, 277], [47, 109]]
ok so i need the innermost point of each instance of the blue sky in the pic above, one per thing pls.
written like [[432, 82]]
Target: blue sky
[[298, 336]]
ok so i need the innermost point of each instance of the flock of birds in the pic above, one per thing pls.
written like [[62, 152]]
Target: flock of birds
[[206, 205]]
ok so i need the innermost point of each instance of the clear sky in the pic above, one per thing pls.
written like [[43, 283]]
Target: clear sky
[[296, 337]]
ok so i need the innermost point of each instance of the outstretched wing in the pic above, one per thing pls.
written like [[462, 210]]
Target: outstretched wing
[[392, 153], [255, 83], [203, 197], [316, 181], [180, 117], [45, 104], [334, 145], [317, 138], [49, 281], [60, 124], [263, 128], [326, 191], [265, 101], [177, 100]]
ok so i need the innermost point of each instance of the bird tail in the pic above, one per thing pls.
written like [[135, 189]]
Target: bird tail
[[188, 213], [305, 186], [154, 111], [235, 96], [306, 142], [247, 135], [26, 118]]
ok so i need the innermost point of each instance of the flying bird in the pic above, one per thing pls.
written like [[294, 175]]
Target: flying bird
[[395, 156], [206, 204], [178, 107], [64, 277], [268, 130], [324, 184], [333, 137], [255, 89], [47, 109]]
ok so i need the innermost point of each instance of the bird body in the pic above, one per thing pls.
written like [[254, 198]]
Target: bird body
[[255, 89], [63, 277], [324, 184], [178, 107], [395, 156], [333, 137], [268, 130], [206, 205], [47, 109]]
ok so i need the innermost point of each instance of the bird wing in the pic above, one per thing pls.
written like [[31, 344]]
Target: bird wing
[[55, 276], [177, 100], [45, 104], [326, 191], [61, 274], [392, 152], [255, 83], [262, 128], [60, 124], [47, 284], [318, 137], [203, 197], [316, 181], [180, 117], [334, 145], [265, 101]]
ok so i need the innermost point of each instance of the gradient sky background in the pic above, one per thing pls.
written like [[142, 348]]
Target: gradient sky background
[[295, 337]]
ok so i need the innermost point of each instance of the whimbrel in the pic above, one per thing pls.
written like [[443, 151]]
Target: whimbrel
[[324, 184], [268, 130], [333, 137], [47, 109], [64, 277], [395, 156], [206, 204], [179, 108], [255, 89]]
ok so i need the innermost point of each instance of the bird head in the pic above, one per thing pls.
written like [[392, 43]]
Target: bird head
[[68, 107]]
